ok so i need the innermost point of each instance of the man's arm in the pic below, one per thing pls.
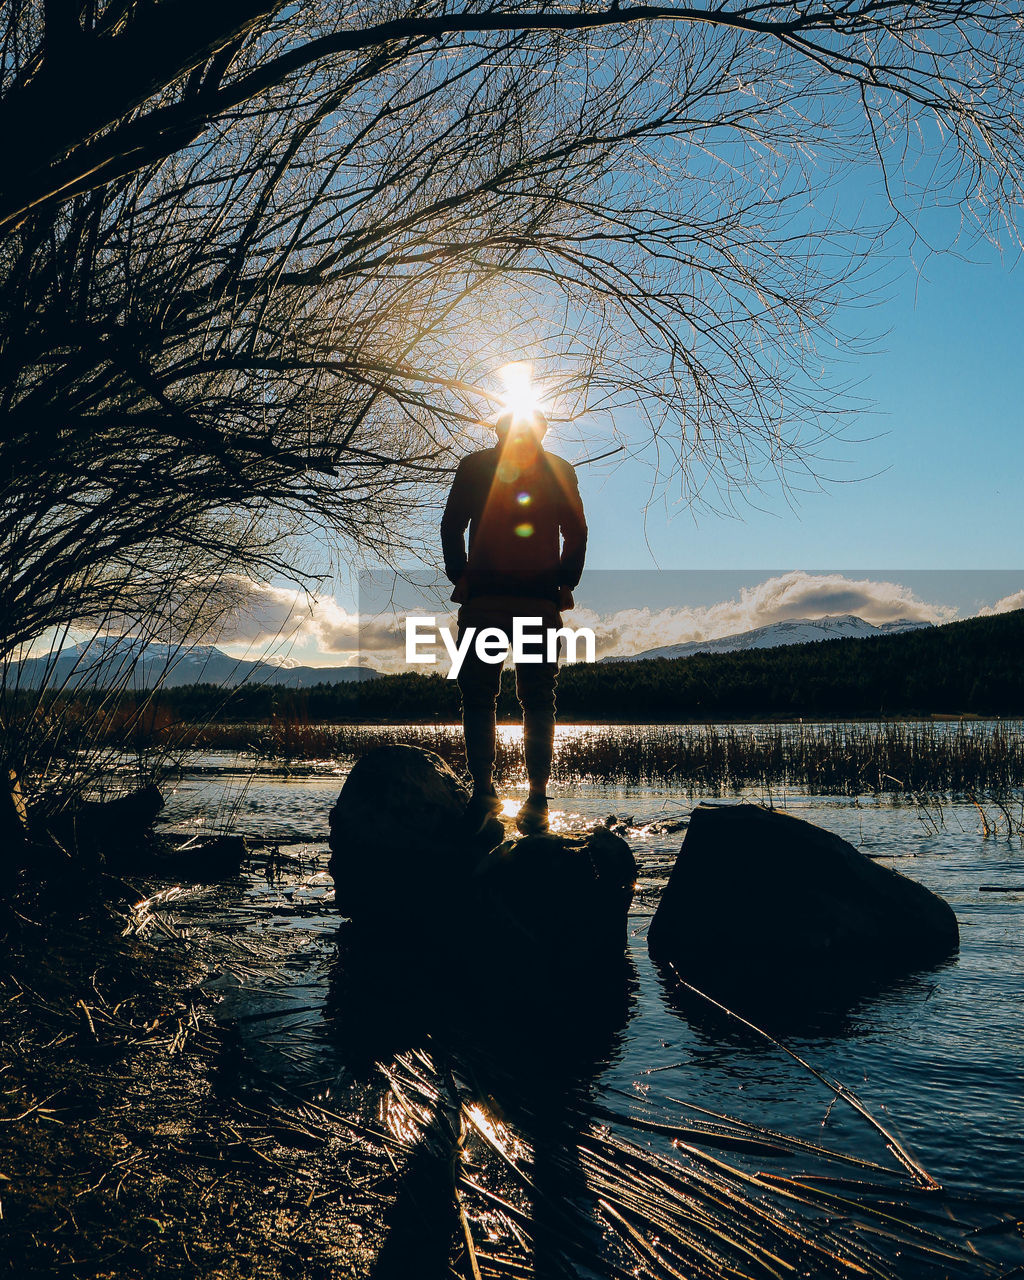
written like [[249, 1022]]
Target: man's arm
[[454, 522], [574, 529]]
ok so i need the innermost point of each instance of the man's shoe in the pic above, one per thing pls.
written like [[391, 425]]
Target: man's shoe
[[484, 806], [532, 819]]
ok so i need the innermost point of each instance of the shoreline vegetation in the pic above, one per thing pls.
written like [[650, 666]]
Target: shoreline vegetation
[[832, 758], [147, 1136], [127, 1098], [932, 711], [131, 1149], [845, 759]]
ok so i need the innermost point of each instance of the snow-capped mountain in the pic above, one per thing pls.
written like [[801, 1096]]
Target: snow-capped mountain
[[132, 663], [841, 626]]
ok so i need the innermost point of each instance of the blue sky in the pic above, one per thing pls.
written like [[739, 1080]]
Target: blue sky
[[927, 476], [930, 479], [930, 476], [938, 485]]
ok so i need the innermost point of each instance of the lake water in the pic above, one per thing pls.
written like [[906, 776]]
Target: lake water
[[938, 1057]]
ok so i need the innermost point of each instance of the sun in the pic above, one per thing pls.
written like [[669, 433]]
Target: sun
[[520, 398]]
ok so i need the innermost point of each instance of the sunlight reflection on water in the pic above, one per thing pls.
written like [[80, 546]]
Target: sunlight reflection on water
[[940, 1055]]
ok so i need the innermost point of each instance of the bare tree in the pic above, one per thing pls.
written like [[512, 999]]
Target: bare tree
[[260, 261], [94, 91]]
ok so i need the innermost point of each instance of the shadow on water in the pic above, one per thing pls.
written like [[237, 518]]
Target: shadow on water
[[467, 1061], [475, 1104]]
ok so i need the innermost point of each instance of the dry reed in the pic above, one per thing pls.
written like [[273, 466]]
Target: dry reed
[[836, 758]]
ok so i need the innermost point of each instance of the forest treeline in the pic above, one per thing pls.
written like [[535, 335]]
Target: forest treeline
[[970, 667]]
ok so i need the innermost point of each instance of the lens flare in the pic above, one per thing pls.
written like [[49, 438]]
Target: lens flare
[[520, 398]]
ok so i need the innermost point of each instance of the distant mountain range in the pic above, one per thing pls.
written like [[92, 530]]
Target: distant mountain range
[[128, 662], [843, 626]]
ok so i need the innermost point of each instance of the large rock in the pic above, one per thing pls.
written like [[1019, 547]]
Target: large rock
[[555, 900], [398, 843], [396, 796], [407, 869], [761, 900]]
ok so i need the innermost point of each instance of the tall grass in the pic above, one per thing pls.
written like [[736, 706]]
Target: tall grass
[[841, 758], [63, 744]]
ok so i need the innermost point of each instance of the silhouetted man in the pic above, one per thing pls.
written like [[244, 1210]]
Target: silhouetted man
[[527, 542]]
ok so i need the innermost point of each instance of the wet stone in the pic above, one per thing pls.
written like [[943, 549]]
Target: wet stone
[[406, 864], [761, 900]]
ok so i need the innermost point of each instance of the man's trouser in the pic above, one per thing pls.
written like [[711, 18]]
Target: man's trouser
[[479, 684]]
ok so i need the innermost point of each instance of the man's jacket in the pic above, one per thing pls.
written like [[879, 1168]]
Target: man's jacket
[[516, 516]]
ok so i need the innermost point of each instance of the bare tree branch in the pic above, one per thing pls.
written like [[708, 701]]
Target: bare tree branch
[[260, 262]]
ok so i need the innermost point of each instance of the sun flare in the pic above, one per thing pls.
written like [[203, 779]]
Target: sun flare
[[520, 398]]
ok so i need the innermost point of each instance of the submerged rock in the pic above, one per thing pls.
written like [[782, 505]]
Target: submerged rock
[[205, 860], [110, 828], [761, 900]]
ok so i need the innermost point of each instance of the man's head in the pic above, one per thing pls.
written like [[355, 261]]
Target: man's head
[[524, 426]]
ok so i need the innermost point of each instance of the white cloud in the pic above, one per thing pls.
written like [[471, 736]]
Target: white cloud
[[260, 613], [1006, 605], [236, 610], [319, 620], [787, 597], [252, 618]]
